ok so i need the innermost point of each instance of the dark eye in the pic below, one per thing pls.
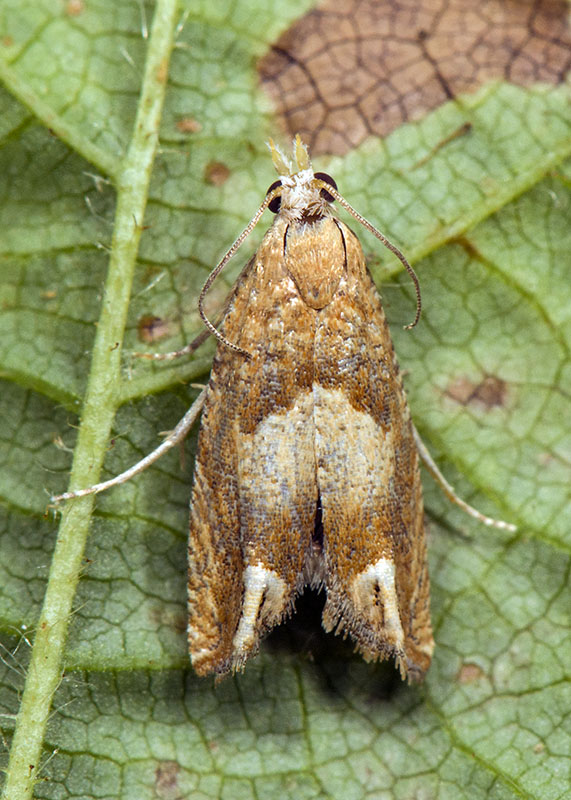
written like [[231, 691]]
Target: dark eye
[[276, 202], [323, 176]]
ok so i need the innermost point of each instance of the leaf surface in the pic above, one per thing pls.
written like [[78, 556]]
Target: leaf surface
[[477, 192]]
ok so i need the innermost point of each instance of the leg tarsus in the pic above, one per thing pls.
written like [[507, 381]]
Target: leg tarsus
[[451, 494], [176, 436]]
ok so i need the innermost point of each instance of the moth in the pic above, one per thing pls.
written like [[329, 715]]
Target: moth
[[307, 468]]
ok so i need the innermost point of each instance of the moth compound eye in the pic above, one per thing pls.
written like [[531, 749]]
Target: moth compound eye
[[323, 176], [276, 202]]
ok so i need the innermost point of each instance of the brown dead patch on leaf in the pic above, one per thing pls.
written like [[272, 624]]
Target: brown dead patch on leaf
[[74, 8], [216, 173], [189, 125], [491, 391], [152, 329], [470, 673], [166, 780], [354, 68], [162, 617]]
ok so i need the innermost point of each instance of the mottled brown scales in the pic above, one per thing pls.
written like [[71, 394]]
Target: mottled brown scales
[[316, 417]]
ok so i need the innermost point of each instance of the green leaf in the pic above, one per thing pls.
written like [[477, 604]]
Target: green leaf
[[484, 215]]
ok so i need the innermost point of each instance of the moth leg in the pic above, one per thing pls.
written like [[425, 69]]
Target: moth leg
[[184, 351], [449, 490], [176, 436]]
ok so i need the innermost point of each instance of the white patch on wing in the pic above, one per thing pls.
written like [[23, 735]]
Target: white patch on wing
[[375, 583], [262, 587], [276, 464], [355, 457]]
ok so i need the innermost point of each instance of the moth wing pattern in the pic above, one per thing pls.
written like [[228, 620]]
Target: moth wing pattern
[[377, 583], [254, 495], [307, 471]]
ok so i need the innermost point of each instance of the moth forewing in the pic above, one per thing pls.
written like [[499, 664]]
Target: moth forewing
[[368, 477], [254, 496]]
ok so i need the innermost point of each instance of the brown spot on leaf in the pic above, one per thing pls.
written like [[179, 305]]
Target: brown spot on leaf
[[216, 173], [166, 780], [470, 673], [152, 329], [354, 68], [74, 8], [189, 125], [491, 391], [161, 616]]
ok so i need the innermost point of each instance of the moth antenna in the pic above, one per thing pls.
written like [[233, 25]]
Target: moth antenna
[[220, 266], [389, 245]]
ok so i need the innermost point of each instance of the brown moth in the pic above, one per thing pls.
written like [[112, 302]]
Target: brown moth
[[307, 470]]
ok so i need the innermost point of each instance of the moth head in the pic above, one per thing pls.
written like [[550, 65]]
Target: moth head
[[302, 194]]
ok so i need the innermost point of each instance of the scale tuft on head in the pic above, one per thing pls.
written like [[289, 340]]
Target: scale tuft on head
[[286, 166]]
